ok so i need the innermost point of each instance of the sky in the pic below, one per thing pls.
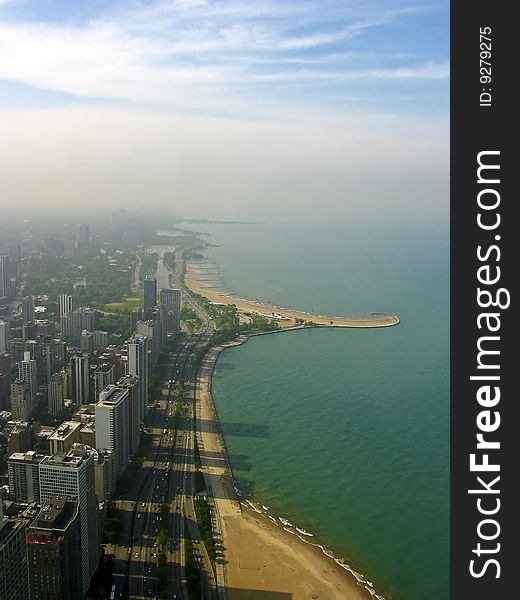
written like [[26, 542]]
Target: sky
[[232, 109]]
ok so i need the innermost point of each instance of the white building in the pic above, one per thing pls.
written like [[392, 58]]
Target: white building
[[72, 475], [138, 367], [113, 426], [27, 372]]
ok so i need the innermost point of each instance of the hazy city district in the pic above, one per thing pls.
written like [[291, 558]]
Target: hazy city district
[[115, 481]]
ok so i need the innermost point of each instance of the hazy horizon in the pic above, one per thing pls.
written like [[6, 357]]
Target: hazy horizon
[[299, 111]]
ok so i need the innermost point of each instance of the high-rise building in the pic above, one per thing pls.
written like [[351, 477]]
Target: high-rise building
[[131, 383], [13, 558], [65, 304], [86, 341], [80, 379], [5, 276], [81, 319], [54, 551], [28, 309], [29, 331], [104, 374], [138, 367], [135, 317], [5, 335], [21, 401], [100, 339], [64, 437], [150, 292], [24, 476], [151, 331], [171, 299], [55, 393], [27, 372], [5, 389], [83, 235], [72, 475], [112, 425]]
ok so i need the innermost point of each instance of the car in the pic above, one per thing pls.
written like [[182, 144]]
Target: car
[[137, 554], [138, 515], [155, 554]]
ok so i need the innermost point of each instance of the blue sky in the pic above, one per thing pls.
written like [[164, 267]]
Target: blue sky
[[279, 103], [220, 57]]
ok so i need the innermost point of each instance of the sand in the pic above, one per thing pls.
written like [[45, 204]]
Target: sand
[[259, 559], [194, 283]]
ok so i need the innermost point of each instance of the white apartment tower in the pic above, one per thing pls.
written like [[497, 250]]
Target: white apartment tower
[[72, 475], [138, 367]]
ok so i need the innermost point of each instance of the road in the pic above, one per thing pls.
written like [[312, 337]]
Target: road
[[167, 477]]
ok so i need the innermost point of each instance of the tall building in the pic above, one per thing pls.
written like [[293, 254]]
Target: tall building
[[21, 401], [5, 276], [13, 558], [65, 304], [80, 379], [131, 383], [83, 235], [112, 425], [23, 469], [72, 475], [100, 339], [138, 367], [170, 298], [5, 335], [54, 551], [86, 341], [55, 393], [29, 331], [150, 292], [28, 309], [104, 374], [151, 330], [27, 372], [135, 317], [81, 319], [64, 437]]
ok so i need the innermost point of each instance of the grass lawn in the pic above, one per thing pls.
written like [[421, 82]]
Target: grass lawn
[[127, 305]]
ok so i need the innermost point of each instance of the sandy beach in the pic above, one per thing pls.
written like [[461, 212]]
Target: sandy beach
[[259, 559], [195, 283]]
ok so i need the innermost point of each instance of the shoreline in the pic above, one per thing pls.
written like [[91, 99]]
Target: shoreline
[[287, 318], [328, 575]]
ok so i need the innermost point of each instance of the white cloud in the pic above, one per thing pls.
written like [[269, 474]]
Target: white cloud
[[196, 53]]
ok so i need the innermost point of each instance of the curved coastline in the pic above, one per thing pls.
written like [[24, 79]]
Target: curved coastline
[[364, 588], [287, 318]]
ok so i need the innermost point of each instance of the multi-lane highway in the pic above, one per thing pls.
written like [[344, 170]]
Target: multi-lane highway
[[167, 477]]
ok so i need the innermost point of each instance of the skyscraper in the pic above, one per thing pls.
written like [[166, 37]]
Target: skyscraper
[[81, 319], [72, 475], [171, 299], [112, 425], [23, 469], [65, 304], [27, 372], [28, 309], [83, 235], [54, 551], [138, 367], [5, 335], [131, 383], [13, 558], [150, 292], [80, 379], [5, 276], [21, 401], [55, 393]]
